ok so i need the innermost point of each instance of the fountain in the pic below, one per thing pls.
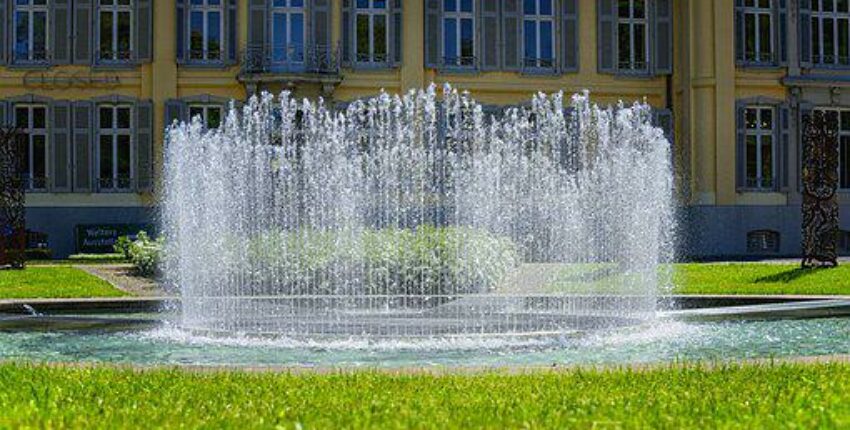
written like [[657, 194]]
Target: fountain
[[418, 215]]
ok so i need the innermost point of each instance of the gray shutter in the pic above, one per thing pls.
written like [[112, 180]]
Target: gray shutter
[[396, 32], [180, 18], [232, 28], [4, 20], [433, 33], [663, 37], [740, 150], [782, 34], [805, 26], [5, 114], [321, 28], [512, 34], [606, 36], [83, 34], [570, 36], [144, 146], [60, 147], [60, 44], [176, 110], [784, 146], [83, 112], [739, 31], [489, 34], [347, 28], [144, 30], [257, 32]]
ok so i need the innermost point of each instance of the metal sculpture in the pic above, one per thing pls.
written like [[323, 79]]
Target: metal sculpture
[[12, 223], [820, 185]]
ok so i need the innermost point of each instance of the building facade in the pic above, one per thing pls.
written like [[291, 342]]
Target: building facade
[[95, 82]]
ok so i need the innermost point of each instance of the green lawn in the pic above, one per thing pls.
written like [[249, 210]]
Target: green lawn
[[53, 282], [730, 396], [760, 278]]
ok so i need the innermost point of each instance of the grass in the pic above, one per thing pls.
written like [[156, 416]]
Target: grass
[[760, 278], [53, 282], [729, 396]]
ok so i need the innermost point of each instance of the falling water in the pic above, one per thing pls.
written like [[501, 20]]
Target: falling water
[[418, 215]]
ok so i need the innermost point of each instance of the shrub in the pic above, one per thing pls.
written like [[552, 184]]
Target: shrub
[[146, 254], [99, 258], [122, 246], [38, 254]]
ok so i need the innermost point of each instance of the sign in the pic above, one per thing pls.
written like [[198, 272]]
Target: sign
[[100, 238]]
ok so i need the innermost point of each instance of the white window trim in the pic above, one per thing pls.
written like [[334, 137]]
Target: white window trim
[[632, 23], [205, 9], [288, 11], [759, 134], [845, 133], [31, 131], [31, 9], [114, 132], [372, 12], [538, 19], [758, 55], [458, 16], [205, 109], [115, 9], [835, 17]]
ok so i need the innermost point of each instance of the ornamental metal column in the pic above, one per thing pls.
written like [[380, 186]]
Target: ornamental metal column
[[820, 186], [12, 222]]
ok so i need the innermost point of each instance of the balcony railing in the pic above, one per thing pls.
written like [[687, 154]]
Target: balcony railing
[[34, 57], [310, 59]]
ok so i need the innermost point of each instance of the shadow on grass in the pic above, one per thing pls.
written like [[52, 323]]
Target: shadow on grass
[[788, 275]]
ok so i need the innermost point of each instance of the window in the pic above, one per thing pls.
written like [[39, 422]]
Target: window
[[458, 33], [30, 30], [114, 166], [32, 120], [844, 241], [843, 147], [206, 20], [759, 147], [288, 31], [632, 43], [371, 35], [115, 30], [762, 241], [539, 33], [757, 31], [831, 32], [210, 114]]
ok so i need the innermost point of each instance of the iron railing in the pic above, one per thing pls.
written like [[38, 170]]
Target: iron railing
[[291, 58]]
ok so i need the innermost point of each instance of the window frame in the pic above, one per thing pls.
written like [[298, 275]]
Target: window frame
[[841, 133], [115, 132], [537, 19], [371, 12], [288, 10], [30, 131], [633, 22], [758, 58], [30, 9], [760, 133], [458, 15], [115, 9], [205, 108], [205, 9], [819, 15]]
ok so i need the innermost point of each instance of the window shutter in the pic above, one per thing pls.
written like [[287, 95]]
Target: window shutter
[[346, 31], [570, 32], [181, 14], [663, 37], [257, 32], [321, 28], [784, 148], [144, 146], [60, 49], [488, 34], [176, 110], [5, 116], [83, 111], [511, 34], [433, 33], [396, 33], [782, 33], [232, 28], [4, 20], [83, 26], [607, 35], [144, 31], [739, 31], [60, 147], [805, 18], [740, 150]]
